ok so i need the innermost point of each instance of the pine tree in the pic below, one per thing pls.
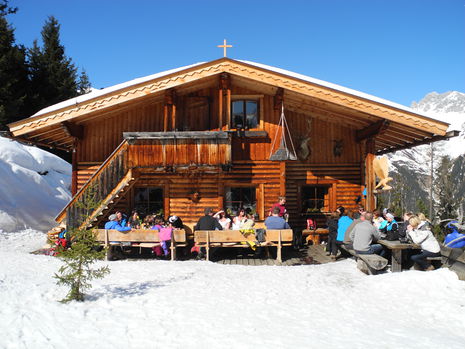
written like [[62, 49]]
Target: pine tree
[[5, 9], [13, 76], [77, 272], [53, 75], [446, 190]]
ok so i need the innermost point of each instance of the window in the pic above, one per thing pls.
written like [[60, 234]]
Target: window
[[240, 197], [148, 200], [244, 114], [314, 199]]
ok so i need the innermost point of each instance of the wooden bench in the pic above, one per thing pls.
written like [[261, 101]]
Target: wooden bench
[[140, 238], [315, 235], [370, 264], [234, 238]]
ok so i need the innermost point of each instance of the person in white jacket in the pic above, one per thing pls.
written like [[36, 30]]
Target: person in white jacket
[[425, 238]]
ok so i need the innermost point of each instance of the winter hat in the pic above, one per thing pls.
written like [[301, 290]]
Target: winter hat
[[173, 219], [112, 217], [389, 215]]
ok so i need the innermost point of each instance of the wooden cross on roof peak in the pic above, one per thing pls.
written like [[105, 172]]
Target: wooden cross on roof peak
[[224, 46]]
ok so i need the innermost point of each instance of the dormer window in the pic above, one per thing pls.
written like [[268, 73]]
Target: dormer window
[[244, 114]]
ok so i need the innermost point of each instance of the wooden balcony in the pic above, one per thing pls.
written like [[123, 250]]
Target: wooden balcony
[[179, 149]]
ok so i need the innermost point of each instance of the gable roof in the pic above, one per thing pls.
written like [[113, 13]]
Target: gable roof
[[332, 99]]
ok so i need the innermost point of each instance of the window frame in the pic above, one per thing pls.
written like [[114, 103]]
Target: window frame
[[160, 202], [244, 100], [330, 196], [242, 185]]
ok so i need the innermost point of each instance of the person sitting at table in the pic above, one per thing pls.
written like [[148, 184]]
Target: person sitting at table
[[425, 223], [342, 225], [114, 223], [207, 222], [250, 222], [378, 221], [347, 241], [391, 231], [176, 222], [223, 220], [403, 226], [122, 218], [428, 243], [239, 220], [275, 221], [364, 237], [134, 220]]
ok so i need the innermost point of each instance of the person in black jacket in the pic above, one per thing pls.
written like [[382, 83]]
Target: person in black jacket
[[208, 222], [332, 235]]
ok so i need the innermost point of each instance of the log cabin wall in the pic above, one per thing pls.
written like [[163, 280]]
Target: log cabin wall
[[197, 110], [264, 176], [328, 156]]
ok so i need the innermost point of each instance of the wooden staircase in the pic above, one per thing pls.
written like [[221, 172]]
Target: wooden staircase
[[101, 192], [110, 201]]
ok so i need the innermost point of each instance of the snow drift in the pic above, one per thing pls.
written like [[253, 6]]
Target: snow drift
[[34, 186]]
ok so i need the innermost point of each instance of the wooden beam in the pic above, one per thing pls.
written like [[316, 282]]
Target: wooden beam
[[448, 135], [73, 130], [225, 86], [372, 130], [278, 98], [370, 174], [74, 164]]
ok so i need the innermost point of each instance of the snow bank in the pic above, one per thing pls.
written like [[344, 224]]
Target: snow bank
[[154, 304], [34, 186]]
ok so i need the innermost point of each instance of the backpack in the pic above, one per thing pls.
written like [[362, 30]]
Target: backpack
[[393, 233], [311, 224]]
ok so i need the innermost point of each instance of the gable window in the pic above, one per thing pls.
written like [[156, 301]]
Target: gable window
[[314, 198], [148, 200], [240, 197], [244, 113]]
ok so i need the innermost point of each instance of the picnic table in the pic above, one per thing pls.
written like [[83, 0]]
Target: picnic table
[[397, 248], [315, 235]]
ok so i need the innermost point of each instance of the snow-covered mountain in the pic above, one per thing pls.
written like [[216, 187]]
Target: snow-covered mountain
[[412, 167], [34, 186]]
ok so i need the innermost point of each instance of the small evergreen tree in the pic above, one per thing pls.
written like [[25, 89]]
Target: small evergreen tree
[[77, 272]]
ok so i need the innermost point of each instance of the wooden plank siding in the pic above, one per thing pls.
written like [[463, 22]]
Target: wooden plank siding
[[344, 181], [182, 166]]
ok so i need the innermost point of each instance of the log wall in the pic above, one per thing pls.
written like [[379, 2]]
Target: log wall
[[314, 139]]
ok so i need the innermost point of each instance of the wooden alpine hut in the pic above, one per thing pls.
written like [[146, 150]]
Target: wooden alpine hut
[[224, 134]]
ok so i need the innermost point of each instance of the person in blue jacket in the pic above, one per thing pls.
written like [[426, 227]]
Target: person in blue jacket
[[342, 224], [454, 239], [113, 223]]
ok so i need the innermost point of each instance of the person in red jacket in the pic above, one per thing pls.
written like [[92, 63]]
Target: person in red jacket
[[282, 208]]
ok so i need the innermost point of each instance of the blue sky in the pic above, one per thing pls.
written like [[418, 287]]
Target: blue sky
[[399, 50]]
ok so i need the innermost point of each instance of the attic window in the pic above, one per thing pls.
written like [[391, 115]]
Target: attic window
[[244, 114]]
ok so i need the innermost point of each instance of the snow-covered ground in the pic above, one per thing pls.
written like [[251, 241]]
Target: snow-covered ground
[[198, 304], [152, 304]]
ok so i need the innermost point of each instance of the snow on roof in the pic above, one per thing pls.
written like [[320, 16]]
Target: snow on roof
[[339, 88], [96, 93]]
